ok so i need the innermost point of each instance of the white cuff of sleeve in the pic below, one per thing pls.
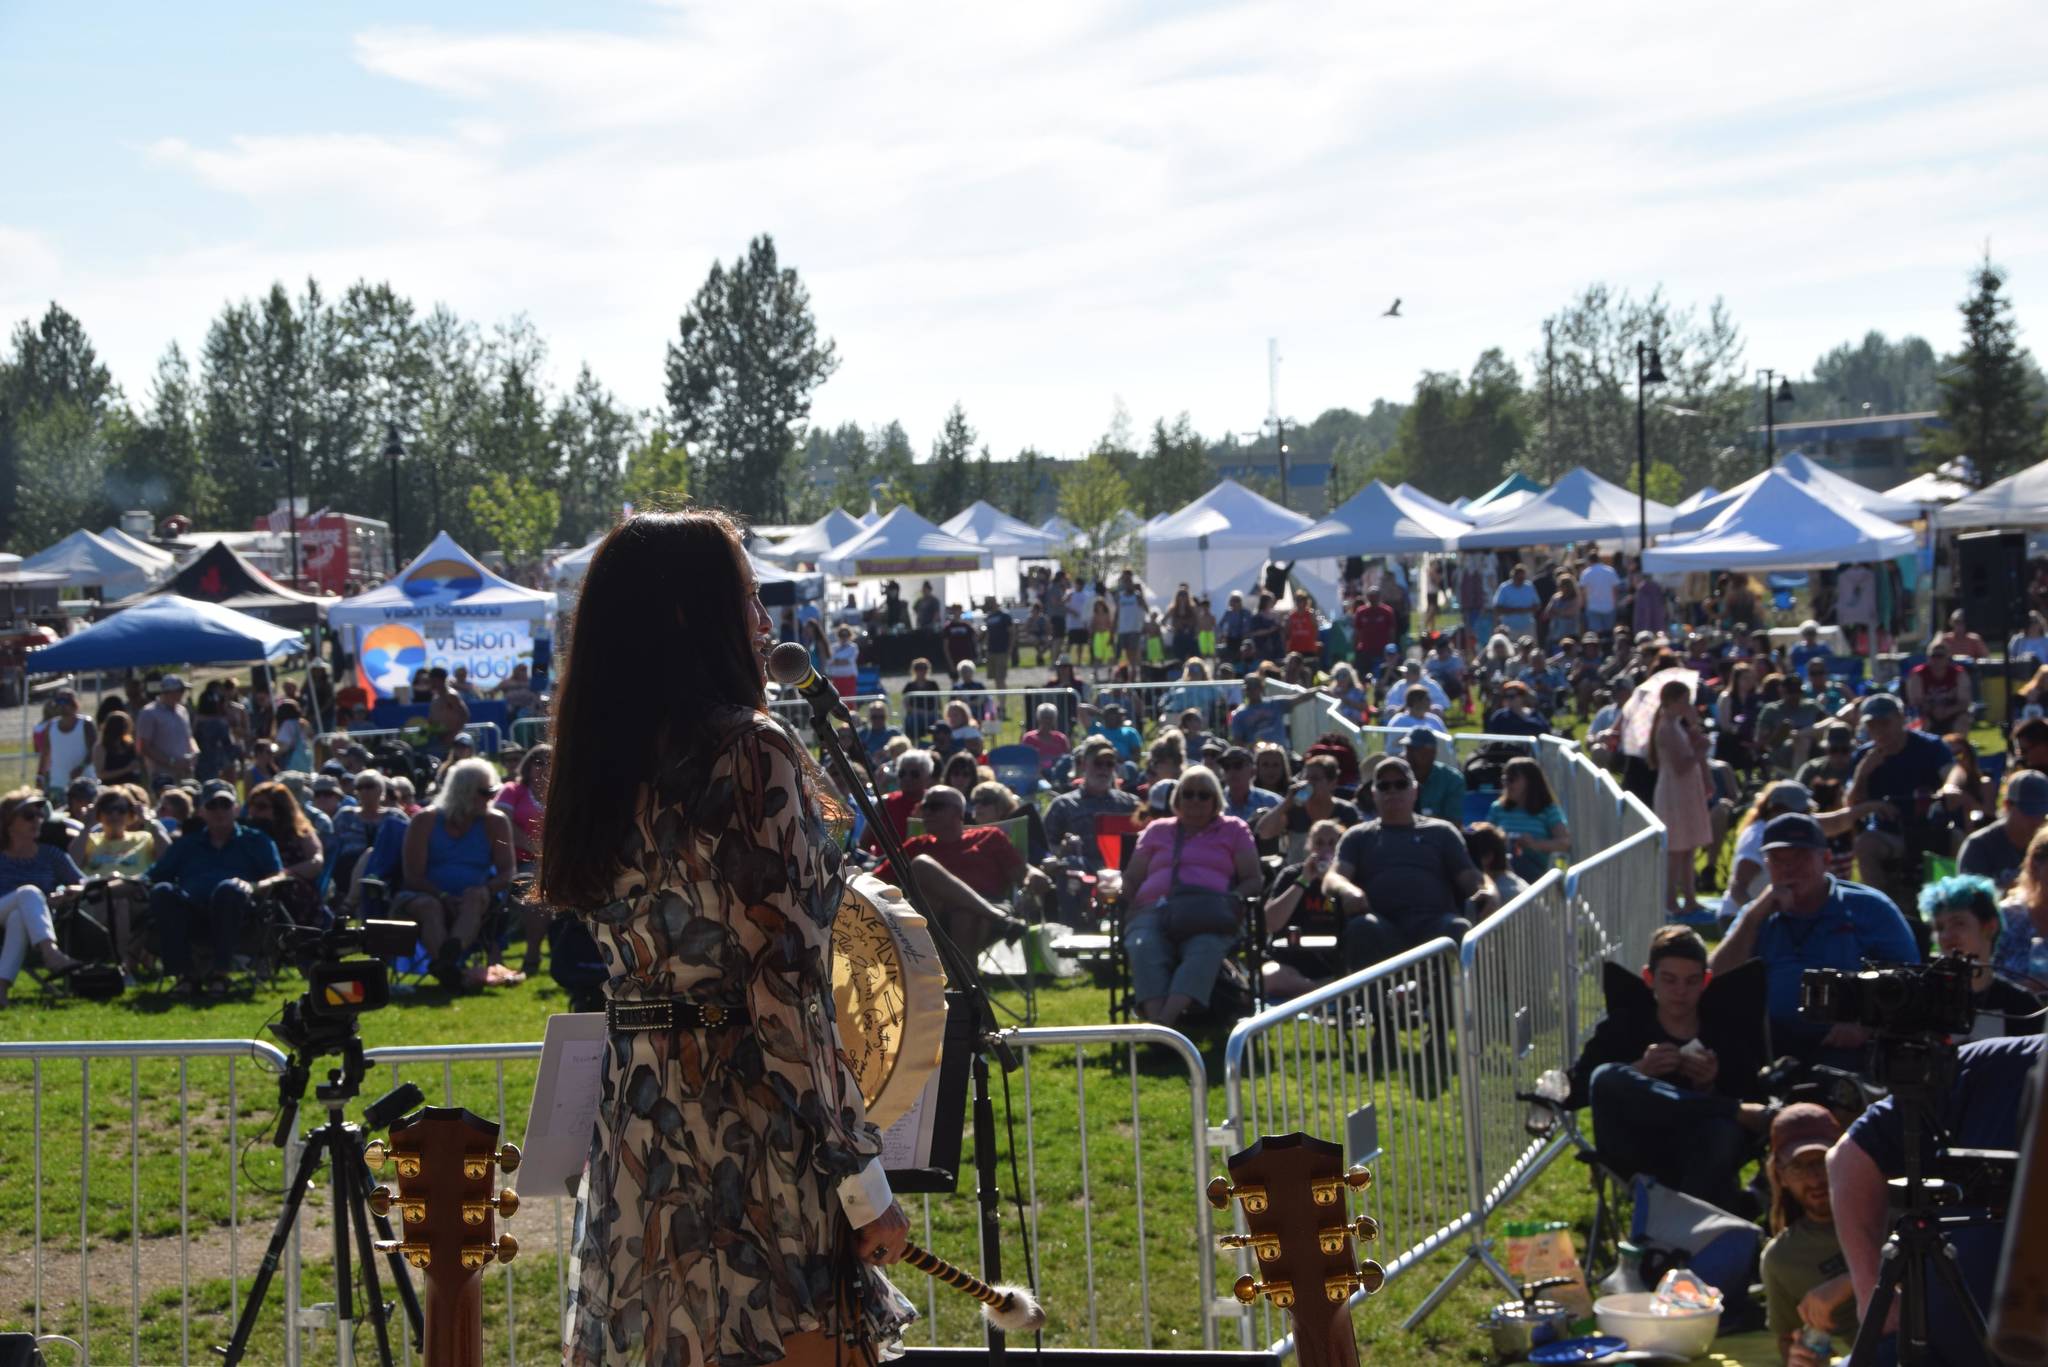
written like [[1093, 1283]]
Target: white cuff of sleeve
[[865, 1196]]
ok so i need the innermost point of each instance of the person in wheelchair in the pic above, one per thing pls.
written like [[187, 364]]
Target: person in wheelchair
[[1673, 1078], [458, 859], [209, 875], [120, 847], [1186, 877]]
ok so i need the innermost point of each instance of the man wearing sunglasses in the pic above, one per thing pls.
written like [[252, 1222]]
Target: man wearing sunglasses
[[1074, 813], [965, 871], [1402, 879]]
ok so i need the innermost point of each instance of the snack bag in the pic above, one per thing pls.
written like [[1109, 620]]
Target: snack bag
[[1681, 1290], [1536, 1250]]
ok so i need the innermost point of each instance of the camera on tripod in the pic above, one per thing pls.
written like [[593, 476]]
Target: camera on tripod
[[346, 975], [1894, 1000]]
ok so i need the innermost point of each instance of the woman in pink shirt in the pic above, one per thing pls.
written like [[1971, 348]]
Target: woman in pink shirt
[[1046, 737], [1188, 874], [524, 800]]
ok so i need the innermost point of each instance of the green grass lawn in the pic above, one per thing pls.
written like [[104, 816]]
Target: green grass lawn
[[187, 1205]]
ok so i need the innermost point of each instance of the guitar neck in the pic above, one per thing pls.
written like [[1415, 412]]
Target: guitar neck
[[454, 1329], [1323, 1336]]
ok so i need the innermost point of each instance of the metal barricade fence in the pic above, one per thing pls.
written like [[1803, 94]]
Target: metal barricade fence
[[153, 1183], [1107, 1174], [1368, 1062], [1615, 903], [528, 732], [489, 740], [1160, 704]]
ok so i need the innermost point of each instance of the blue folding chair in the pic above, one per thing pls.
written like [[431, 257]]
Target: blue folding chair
[[1017, 769], [1478, 804]]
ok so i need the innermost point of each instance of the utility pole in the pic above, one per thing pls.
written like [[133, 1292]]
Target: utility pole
[[1273, 412], [1549, 404]]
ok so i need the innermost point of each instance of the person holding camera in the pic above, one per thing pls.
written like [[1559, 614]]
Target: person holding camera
[[1808, 918], [1309, 801]]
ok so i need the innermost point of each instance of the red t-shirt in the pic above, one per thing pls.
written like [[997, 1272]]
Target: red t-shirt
[[983, 858], [1372, 631], [1941, 691], [896, 810], [1050, 745], [1301, 632]]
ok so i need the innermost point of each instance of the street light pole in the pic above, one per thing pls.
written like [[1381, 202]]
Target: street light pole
[[1773, 397], [291, 505], [394, 451], [1649, 371]]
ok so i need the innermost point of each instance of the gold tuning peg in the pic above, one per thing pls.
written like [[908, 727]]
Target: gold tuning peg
[[419, 1255], [1221, 1192], [1248, 1289], [1266, 1245], [374, 1154], [1358, 1178], [508, 1249], [1371, 1277], [1365, 1229], [508, 1157], [1236, 1241], [380, 1200], [388, 1245], [507, 1202]]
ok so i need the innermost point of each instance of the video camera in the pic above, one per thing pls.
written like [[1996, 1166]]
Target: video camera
[[346, 975], [1897, 1001]]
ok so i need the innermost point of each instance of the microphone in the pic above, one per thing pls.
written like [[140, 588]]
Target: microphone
[[789, 664]]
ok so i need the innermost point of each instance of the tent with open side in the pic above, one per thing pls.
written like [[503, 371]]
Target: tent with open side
[[1511, 492], [1782, 523], [1375, 521], [220, 575], [902, 543], [87, 560], [2018, 500], [1218, 544], [1010, 541], [1837, 489], [809, 545], [167, 629], [1579, 507]]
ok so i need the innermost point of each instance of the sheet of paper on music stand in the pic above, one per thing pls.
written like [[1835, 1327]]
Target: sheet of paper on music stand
[[564, 1110], [908, 1143]]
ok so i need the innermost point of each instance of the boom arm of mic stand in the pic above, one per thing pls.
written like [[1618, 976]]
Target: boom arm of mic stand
[[958, 969]]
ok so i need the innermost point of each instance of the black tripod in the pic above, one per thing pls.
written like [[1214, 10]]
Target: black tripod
[[1915, 1071], [341, 1144], [961, 976]]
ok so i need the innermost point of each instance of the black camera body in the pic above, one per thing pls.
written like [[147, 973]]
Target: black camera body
[[1894, 1000], [346, 975]]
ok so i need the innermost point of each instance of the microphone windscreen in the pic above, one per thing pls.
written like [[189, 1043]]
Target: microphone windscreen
[[789, 663]]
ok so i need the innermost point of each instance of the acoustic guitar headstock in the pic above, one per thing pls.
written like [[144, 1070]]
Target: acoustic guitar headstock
[[1292, 1191], [445, 1158]]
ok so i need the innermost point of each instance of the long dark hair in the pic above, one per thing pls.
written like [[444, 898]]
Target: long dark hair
[[1536, 794], [662, 640]]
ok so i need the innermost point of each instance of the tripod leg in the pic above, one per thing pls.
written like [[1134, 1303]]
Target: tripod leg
[[294, 1197], [334, 1137], [1871, 1332], [1951, 1275], [348, 1179]]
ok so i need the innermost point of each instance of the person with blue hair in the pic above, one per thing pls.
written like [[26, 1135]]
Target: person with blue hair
[[1962, 910]]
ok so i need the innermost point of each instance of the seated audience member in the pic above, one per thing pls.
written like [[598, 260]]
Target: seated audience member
[[1939, 692], [1997, 851], [1488, 846], [1963, 913], [1784, 724], [1517, 714], [1073, 813], [1824, 690], [961, 772], [1414, 715], [1810, 647], [1242, 798], [1529, 816], [1836, 758], [120, 845], [1441, 787], [524, 800], [1674, 1090], [1746, 876], [33, 875], [1898, 772], [1810, 919], [1402, 879], [208, 875], [2024, 920], [1047, 738], [965, 871], [1272, 767], [1959, 639], [458, 856], [273, 810], [1447, 667], [1119, 733], [1806, 1280], [993, 804], [355, 828], [2030, 743], [1980, 1109], [1309, 801], [1297, 905], [913, 776], [876, 735], [1260, 719], [964, 736], [920, 699], [1186, 874]]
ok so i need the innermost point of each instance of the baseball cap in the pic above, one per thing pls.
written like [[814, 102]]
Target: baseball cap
[[1878, 706], [64, 695], [1419, 738], [216, 792], [1160, 795], [1801, 1128], [326, 783], [1793, 797], [169, 682], [1838, 737], [464, 738], [333, 766], [2027, 790], [1644, 638], [1808, 625], [1794, 831]]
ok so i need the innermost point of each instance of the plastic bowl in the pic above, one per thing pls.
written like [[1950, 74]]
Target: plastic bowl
[[1629, 1316]]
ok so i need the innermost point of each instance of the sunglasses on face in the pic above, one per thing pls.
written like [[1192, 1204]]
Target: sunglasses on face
[[1391, 785], [1198, 797]]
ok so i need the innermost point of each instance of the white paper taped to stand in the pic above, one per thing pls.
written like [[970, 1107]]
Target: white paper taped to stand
[[563, 1115]]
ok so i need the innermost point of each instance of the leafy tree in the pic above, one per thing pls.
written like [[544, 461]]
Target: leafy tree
[[157, 467], [1174, 469], [1892, 377], [1666, 485], [1988, 394], [1352, 443], [657, 473], [55, 395], [893, 472], [1459, 434], [514, 515], [1094, 496], [590, 436], [1024, 487], [946, 481], [740, 377]]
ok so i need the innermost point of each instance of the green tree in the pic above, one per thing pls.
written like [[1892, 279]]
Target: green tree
[[1891, 377], [1024, 492], [1094, 496], [946, 476], [1988, 392], [1174, 469], [590, 436], [740, 378], [657, 473], [1459, 433], [1354, 444], [513, 515], [56, 397], [1666, 485]]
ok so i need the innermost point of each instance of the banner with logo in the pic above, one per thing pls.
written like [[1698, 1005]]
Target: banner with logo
[[389, 655]]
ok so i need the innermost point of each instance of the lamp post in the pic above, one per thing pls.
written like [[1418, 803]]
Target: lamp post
[[394, 451], [1773, 397], [1649, 371], [268, 464]]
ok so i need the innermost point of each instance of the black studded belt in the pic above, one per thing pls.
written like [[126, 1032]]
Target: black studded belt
[[671, 1013]]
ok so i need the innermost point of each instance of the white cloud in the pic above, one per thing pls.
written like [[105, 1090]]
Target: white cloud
[[1033, 209]]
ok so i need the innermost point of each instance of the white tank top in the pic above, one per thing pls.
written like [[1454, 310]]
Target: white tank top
[[68, 750]]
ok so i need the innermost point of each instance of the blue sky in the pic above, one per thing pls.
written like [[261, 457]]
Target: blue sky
[[1040, 211]]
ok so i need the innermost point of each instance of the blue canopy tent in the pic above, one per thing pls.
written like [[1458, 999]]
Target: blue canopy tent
[[167, 630]]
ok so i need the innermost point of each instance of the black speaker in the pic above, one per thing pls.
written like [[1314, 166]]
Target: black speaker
[[1991, 583]]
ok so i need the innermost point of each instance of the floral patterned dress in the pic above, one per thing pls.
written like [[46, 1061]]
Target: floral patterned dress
[[714, 1227]]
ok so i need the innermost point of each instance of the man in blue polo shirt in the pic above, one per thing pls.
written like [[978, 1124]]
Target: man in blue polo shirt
[[1806, 919], [1902, 770], [208, 875]]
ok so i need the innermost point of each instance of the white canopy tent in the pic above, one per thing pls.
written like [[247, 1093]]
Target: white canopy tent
[[1579, 507], [1694, 500], [142, 548], [901, 544], [568, 571], [1062, 531], [1376, 520], [1930, 490], [2019, 500], [88, 561], [1458, 511], [1837, 489], [1008, 540], [443, 583], [1220, 542], [1782, 523], [809, 545]]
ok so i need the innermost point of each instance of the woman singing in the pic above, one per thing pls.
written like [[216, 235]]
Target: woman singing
[[736, 1211]]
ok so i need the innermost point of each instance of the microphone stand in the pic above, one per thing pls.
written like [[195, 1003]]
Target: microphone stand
[[960, 973]]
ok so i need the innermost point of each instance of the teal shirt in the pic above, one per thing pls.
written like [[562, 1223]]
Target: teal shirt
[[1530, 864], [1441, 794]]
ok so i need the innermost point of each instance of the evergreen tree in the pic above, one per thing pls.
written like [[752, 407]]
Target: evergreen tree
[[1175, 469], [1988, 392], [947, 482]]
